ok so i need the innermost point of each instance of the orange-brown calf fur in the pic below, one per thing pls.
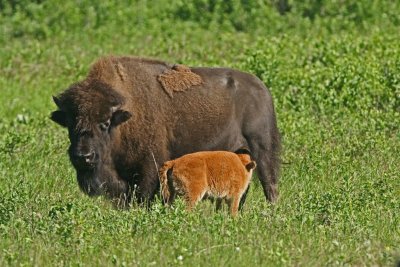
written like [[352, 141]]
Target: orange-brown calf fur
[[218, 174]]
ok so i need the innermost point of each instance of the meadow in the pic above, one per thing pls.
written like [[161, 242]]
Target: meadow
[[333, 68]]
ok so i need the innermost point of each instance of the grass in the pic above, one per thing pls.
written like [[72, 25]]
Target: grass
[[335, 78]]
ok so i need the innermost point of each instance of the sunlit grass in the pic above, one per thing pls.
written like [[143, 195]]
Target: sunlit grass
[[337, 100]]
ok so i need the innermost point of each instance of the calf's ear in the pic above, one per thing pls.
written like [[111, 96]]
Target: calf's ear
[[120, 116], [250, 166], [59, 117]]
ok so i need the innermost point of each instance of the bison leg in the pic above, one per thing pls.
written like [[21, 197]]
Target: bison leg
[[267, 158], [150, 182], [147, 189], [267, 173]]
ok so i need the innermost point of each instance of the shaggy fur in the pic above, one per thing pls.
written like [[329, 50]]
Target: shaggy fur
[[217, 174], [122, 125], [178, 79]]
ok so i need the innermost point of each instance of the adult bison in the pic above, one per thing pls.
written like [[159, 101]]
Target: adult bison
[[132, 114]]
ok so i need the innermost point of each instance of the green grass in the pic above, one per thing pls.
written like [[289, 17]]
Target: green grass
[[335, 77]]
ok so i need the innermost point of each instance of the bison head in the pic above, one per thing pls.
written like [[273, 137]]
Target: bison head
[[92, 112]]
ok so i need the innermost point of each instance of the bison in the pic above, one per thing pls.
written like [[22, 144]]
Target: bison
[[129, 115], [220, 175]]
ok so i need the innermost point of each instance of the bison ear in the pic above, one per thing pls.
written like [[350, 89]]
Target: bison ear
[[119, 117], [59, 117], [250, 166]]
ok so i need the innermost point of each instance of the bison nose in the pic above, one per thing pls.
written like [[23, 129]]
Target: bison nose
[[87, 158]]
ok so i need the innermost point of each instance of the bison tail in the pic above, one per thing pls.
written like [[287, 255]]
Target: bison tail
[[165, 191]]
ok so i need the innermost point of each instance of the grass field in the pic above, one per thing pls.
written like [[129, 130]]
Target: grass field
[[334, 70]]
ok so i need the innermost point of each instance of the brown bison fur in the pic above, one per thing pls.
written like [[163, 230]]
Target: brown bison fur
[[179, 78], [122, 125], [216, 174]]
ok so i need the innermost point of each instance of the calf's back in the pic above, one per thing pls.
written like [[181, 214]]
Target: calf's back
[[218, 174]]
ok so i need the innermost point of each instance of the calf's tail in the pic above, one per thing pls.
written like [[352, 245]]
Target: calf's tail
[[165, 190]]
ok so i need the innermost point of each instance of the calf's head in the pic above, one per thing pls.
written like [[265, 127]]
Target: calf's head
[[248, 163], [93, 114]]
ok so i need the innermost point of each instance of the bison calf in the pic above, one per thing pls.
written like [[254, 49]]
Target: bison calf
[[217, 174]]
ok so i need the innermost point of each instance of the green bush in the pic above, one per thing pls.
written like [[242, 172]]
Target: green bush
[[320, 75]]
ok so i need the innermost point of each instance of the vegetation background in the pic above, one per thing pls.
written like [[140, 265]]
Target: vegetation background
[[334, 70]]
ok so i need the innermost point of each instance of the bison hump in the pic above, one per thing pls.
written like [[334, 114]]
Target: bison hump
[[179, 78]]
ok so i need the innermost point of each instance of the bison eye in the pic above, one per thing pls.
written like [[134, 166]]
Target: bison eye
[[104, 125]]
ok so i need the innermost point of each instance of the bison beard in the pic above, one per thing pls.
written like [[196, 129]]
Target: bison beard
[[103, 181], [123, 124]]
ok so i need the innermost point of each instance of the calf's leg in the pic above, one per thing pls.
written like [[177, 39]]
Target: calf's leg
[[218, 204], [243, 198], [234, 205]]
